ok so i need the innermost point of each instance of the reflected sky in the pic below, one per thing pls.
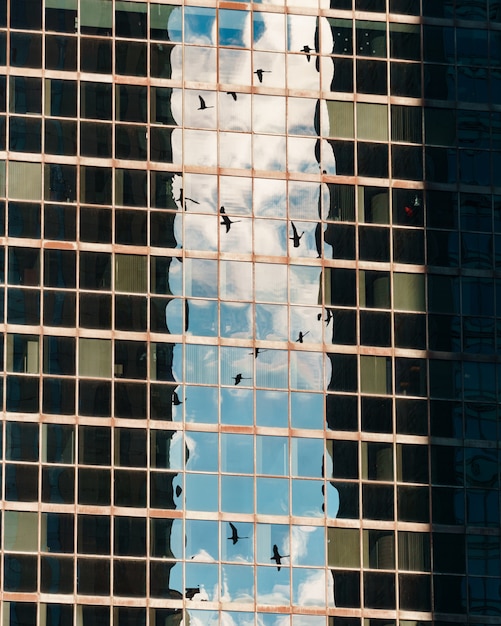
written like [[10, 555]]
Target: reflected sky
[[240, 299]]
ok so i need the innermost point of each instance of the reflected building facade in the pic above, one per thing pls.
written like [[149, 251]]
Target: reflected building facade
[[249, 301]]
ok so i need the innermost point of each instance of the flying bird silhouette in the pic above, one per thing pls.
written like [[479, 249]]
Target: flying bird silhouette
[[259, 73], [232, 94], [258, 351], [182, 199], [306, 49], [302, 336], [296, 238], [203, 106], [277, 557], [238, 378], [234, 534], [227, 222]]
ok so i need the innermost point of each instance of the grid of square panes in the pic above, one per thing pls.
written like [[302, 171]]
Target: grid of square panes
[[145, 265]]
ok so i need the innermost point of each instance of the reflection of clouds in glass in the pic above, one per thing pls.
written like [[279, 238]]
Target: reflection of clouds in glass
[[271, 322], [325, 200], [237, 583], [177, 145], [269, 31], [270, 237], [272, 369], [308, 545], [332, 499], [271, 282], [307, 497], [176, 105], [306, 371], [200, 193], [201, 618], [237, 406], [201, 494], [274, 65], [235, 115], [308, 231], [327, 371], [300, 154], [307, 410], [309, 587], [194, 115], [236, 361], [178, 230], [200, 278], [236, 320], [202, 556], [307, 620], [201, 451], [201, 404], [268, 114], [242, 619], [199, 25], [176, 276], [200, 232], [173, 23], [201, 364], [269, 198], [234, 28], [269, 619], [326, 39], [242, 551], [234, 68], [272, 496], [239, 237], [200, 147], [236, 194], [328, 158], [304, 284], [303, 200], [327, 69], [301, 74], [202, 536], [269, 152], [297, 122], [235, 280], [237, 494], [177, 363], [272, 586], [300, 31], [306, 320], [299, 541], [324, 120], [176, 450], [272, 408], [202, 318], [235, 150]]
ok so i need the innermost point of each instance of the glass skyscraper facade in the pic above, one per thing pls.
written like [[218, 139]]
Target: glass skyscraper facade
[[250, 308]]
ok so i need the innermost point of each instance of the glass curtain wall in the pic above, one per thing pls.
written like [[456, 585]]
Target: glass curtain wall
[[248, 302]]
